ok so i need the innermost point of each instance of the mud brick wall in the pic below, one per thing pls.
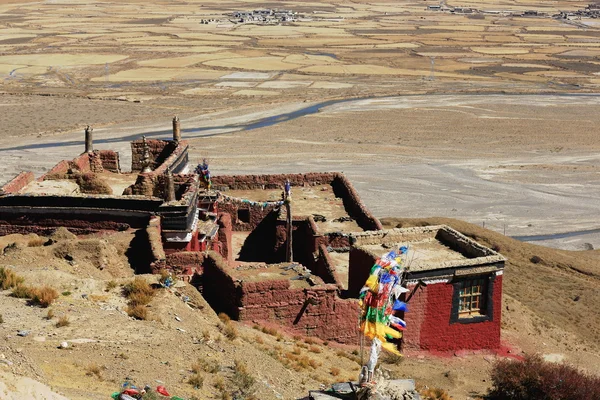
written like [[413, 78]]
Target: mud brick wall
[[429, 325], [224, 236], [110, 160], [218, 287], [62, 167], [354, 206], [257, 214], [81, 163], [155, 148], [316, 311], [156, 247], [18, 182], [185, 264], [274, 181], [325, 268], [359, 267]]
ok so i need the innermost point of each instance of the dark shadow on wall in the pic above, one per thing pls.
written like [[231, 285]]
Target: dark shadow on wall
[[139, 253], [261, 243]]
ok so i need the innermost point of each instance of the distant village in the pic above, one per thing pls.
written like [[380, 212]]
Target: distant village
[[265, 16], [592, 10]]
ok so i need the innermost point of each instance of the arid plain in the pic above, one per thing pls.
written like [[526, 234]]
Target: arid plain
[[489, 117]]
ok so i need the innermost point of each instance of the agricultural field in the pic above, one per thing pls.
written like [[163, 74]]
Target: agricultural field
[[136, 50]]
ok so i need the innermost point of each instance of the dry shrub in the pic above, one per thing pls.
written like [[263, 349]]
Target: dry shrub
[[110, 285], [269, 331], [196, 381], [314, 349], [36, 242], [138, 287], [310, 340], [534, 378], [94, 369], [334, 371], [258, 339], [243, 380], [209, 366], [435, 394], [49, 314], [22, 292], [230, 331], [8, 279], [224, 318], [63, 321], [137, 312], [536, 259], [139, 293], [393, 359], [43, 296]]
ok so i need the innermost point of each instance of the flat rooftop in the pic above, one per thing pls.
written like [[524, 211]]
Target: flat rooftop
[[319, 201], [429, 248], [68, 187], [298, 275]]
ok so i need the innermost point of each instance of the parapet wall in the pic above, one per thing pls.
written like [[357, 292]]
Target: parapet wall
[[18, 182], [342, 188], [354, 206], [317, 311], [273, 181]]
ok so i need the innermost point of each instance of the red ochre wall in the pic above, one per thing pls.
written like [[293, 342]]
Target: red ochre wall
[[326, 316], [429, 327], [19, 182]]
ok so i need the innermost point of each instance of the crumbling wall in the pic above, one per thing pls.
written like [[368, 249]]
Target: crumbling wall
[[353, 204], [18, 182], [81, 163], [110, 160], [429, 324], [315, 311]]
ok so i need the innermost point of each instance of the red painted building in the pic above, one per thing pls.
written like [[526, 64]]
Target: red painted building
[[455, 300]]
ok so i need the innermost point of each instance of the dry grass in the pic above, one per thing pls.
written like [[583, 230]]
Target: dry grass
[[44, 296], [210, 366], [94, 370], [334, 371], [36, 242], [314, 349], [224, 318], [138, 312], [110, 285], [196, 381], [138, 292], [9, 279], [230, 331], [242, 379], [22, 292], [49, 314], [435, 394], [63, 321]]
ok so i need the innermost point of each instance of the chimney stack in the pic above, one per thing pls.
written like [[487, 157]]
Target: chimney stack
[[89, 145], [176, 129]]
